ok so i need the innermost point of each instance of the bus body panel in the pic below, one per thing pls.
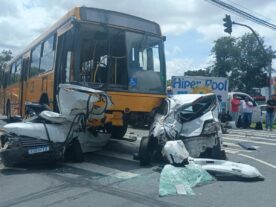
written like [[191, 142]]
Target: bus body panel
[[123, 101], [12, 95]]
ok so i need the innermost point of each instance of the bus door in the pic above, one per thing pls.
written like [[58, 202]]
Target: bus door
[[25, 71], [65, 60]]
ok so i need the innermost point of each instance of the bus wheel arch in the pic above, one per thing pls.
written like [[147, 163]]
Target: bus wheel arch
[[44, 99], [118, 131]]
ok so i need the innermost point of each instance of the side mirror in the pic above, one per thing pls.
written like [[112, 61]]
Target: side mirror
[[164, 38]]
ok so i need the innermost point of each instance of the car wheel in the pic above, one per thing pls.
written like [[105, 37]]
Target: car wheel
[[74, 152], [145, 154], [218, 153]]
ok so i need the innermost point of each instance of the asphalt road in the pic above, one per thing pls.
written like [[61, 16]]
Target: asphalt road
[[112, 178]]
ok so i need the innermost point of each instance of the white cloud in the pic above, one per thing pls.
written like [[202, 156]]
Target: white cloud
[[22, 21], [178, 66]]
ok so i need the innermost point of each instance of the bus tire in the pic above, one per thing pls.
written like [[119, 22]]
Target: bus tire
[[8, 110], [145, 154], [118, 132]]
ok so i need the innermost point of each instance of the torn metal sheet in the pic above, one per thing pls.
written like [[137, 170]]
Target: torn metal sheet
[[228, 168], [181, 180], [175, 152], [247, 146], [192, 118]]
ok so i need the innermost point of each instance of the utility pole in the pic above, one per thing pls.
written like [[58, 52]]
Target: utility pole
[[228, 29]]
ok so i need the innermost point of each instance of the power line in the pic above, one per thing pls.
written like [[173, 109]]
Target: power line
[[251, 11], [242, 13]]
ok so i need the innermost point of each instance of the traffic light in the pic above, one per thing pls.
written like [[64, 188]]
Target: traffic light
[[227, 24]]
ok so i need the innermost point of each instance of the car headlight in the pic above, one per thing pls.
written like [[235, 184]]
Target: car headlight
[[210, 128], [10, 141]]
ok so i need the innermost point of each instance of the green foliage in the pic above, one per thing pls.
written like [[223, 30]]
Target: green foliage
[[200, 72], [242, 60], [5, 56]]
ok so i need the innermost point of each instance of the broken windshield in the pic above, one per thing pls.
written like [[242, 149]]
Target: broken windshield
[[145, 63], [188, 112], [120, 60]]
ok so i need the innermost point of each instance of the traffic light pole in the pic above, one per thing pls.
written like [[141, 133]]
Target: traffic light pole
[[269, 70]]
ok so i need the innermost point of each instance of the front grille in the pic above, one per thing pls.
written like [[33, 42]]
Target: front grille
[[33, 142]]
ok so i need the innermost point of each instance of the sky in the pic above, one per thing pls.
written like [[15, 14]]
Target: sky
[[191, 26]]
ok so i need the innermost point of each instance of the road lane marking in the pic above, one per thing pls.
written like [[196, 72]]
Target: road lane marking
[[248, 137], [252, 141], [231, 144], [258, 160], [120, 156], [253, 133], [103, 170]]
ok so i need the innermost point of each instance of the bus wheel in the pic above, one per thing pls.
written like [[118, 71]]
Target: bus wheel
[[145, 153], [118, 131], [8, 110]]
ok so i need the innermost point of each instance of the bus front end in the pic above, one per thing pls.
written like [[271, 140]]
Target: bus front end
[[120, 54]]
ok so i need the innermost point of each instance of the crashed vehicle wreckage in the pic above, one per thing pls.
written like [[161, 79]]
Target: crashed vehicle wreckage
[[192, 118], [49, 135]]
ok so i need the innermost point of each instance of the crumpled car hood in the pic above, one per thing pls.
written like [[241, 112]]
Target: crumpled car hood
[[57, 132]]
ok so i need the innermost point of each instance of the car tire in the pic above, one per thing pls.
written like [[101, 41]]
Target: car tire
[[218, 153], [145, 154], [74, 152]]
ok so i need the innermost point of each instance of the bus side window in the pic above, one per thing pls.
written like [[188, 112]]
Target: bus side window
[[12, 74], [17, 75], [48, 54], [35, 61]]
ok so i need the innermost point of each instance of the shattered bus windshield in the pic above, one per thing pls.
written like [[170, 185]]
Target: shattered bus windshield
[[121, 60], [144, 68]]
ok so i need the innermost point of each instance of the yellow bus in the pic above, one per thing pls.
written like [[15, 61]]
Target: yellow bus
[[106, 50]]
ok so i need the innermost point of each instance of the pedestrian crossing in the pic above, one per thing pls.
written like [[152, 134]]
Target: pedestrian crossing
[[103, 170], [257, 138]]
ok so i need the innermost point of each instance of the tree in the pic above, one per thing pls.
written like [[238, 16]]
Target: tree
[[226, 54], [5, 56], [200, 72], [242, 60]]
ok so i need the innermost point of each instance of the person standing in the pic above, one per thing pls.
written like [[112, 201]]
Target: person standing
[[234, 110], [247, 107], [270, 106]]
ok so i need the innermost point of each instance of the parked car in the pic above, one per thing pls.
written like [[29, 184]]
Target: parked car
[[256, 115], [192, 118]]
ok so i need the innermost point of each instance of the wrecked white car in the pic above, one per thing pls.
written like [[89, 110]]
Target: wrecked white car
[[50, 136], [192, 118]]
